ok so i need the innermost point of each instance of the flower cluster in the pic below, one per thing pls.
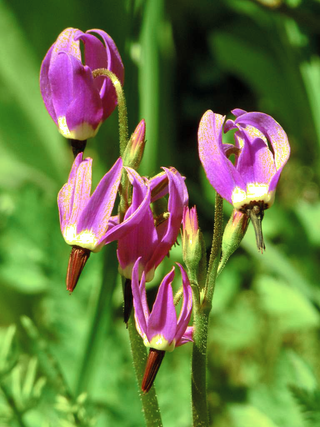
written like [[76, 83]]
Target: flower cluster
[[151, 210]]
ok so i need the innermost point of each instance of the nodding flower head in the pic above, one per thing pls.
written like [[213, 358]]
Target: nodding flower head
[[85, 220], [263, 150], [160, 329], [77, 102], [160, 226]]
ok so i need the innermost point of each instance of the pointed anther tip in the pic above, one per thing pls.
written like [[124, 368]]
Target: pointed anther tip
[[154, 361], [77, 260], [256, 213]]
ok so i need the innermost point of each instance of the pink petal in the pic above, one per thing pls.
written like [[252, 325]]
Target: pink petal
[[163, 317], [220, 172], [96, 214]]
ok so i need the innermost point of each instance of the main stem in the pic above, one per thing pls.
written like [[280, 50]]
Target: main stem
[[201, 322]]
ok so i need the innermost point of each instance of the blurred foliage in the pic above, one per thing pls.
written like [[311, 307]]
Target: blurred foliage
[[65, 360]]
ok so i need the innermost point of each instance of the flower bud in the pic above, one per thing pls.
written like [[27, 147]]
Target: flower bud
[[233, 234], [192, 241], [134, 151]]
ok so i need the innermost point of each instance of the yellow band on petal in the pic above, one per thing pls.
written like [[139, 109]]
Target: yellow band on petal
[[81, 132], [255, 193], [158, 342], [86, 239]]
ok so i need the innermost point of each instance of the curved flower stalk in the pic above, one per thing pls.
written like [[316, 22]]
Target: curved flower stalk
[[77, 102], [250, 184], [160, 329], [85, 220], [157, 231]]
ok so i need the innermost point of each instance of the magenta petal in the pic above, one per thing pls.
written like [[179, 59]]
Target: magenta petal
[[273, 131], [168, 231], [220, 172], [45, 86], [238, 112], [119, 231], [159, 186], [114, 64], [96, 214], [139, 300], [163, 317], [186, 309], [66, 194], [140, 190], [61, 81], [143, 237], [114, 59], [81, 190], [66, 42], [86, 106], [186, 337]]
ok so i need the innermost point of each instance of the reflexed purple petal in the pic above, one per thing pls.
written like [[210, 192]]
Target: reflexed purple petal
[[186, 309], [220, 172], [45, 86], [96, 214], [120, 230], [81, 190], [186, 337], [229, 124], [61, 81], [140, 190], [141, 316], [67, 43], [168, 231], [274, 180], [255, 162], [143, 237], [66, 194], [114, 64], [163, 317], [114, 59], [86, 106], [159, 186], [238, 112], [273, 131]]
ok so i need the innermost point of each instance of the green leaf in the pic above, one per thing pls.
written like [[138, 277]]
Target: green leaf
[[249, 416], [290, 307]]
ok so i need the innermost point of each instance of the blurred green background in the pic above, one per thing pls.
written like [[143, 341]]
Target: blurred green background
[[65, 360]]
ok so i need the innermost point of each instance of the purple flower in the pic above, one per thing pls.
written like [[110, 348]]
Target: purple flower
[[161, 329], [86, 222], [77, 102], [250, 184], [153, 238]]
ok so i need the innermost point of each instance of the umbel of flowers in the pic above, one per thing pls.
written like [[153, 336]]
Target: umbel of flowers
[[80, 92]]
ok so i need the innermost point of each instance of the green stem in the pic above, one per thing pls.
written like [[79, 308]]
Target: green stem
[[215, 254], [122, 106], [13, 406], [201, 322], [149, 400]]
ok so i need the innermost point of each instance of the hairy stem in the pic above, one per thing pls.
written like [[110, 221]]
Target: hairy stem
[[201, 322], [122, 106]]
